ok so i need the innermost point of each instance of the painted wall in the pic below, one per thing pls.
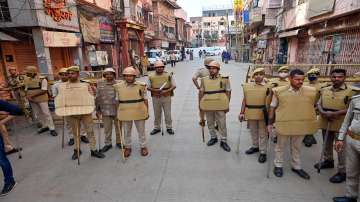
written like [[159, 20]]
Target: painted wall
[[297, 16], [31, 13], [105, 4]]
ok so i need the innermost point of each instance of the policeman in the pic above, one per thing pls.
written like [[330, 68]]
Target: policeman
[[133, 107], [332, 106], [81, 105], [16, 83], [161, 98], [215, 94], [254, 109], [55, 91], [350, 129], [282, 80], [106, 106], [36, 89], [201, 72], [295, 117], [313, 81]]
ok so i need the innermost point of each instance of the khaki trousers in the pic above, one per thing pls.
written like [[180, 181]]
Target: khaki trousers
[[140, 126], [87, 122], [109, 121], [295, 147], [258, 134], [69, 129], [329, 151], [220, 118], [41, 110], [161, 104], [353, 167]]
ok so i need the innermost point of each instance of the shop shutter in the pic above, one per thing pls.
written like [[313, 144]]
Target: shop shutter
[[25, 54]]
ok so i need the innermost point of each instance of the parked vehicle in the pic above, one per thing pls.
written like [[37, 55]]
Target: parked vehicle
[[153, 56]]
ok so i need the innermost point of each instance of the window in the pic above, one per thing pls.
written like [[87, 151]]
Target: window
[[255, 3], [4, 11]]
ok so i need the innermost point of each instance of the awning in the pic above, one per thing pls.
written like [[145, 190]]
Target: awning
[[5, 37], [289, 33]]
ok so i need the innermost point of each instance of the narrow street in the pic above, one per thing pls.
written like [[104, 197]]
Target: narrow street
[[180, 168]]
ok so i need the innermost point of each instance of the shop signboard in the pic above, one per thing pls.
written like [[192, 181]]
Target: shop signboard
[[106, 30], [61, 39]]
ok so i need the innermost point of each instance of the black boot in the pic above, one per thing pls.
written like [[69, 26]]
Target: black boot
[[106, 148], [97, 154], [170, 131], [42, 130], [155, 131], [212, 141], [301, 173], [84, 139], [53, 133], [71, 142], [75, 156], [278, 171], [225, 146], [262, 158], [325, 164], [252, 150], [309, 140], [344, 199], [338, 178], [118, 145]]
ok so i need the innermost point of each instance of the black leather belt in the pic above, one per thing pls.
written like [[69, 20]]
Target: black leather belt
[[255, 106], [130, 101], [215, 92]]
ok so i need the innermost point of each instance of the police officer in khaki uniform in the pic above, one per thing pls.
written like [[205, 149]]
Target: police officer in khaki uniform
[[332, 106], [201, 72], [106, 107], [215, 94], [350, 129], [133, 108], [282, 80], [16, 83], [81, 105], [254, 109], [313, 81], [55, 91], [36, 89], [161, 98], [295, 117]]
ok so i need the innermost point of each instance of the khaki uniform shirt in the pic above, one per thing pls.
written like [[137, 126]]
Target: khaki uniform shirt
[[106, 98], [352, 118]]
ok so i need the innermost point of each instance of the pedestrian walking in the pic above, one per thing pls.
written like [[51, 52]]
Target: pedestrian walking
[[9, 181], [173, 59]]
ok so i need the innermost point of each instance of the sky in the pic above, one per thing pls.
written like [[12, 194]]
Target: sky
[[194, 7]]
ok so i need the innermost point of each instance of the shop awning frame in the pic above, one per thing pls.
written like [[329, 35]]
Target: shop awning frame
[[5, 37]]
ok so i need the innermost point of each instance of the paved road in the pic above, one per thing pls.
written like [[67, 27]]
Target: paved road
[[180, 168]]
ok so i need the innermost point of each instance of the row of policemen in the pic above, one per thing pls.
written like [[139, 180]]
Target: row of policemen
[[123, 101], [296, 116]]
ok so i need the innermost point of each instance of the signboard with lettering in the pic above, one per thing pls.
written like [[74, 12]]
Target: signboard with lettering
[[106, 30], [61, 39], [58, 14]]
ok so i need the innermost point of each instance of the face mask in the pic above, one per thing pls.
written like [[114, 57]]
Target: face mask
[[312, 77], [283, 74]]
